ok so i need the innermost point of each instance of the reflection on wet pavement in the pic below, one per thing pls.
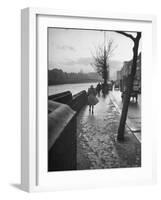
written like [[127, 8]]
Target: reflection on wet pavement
[[95, 136], [96, 143]]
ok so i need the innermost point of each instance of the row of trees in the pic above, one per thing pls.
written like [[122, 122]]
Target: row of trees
[[58, 76]]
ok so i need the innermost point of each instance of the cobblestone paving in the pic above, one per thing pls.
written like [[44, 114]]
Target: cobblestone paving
[[97, 147]]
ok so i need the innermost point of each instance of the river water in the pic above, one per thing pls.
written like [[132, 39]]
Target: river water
[[74, 88]]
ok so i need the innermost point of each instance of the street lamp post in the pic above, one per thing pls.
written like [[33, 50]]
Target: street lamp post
[[106, 66]]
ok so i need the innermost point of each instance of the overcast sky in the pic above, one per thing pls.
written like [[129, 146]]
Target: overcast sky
[[71, 49]]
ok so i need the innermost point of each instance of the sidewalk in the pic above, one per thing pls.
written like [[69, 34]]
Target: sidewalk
[[97, 147], [134, 113]]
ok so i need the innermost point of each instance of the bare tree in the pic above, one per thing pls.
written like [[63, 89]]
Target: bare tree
[[136, 40], [101, 59]]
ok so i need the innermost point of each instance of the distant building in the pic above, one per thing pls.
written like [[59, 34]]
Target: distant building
[[125, 71], [118, 75], [81, 71]]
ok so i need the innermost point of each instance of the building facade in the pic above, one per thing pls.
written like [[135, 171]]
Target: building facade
[[124, 73]]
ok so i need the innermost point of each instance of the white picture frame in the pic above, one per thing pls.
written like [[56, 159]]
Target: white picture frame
[[31, 72]]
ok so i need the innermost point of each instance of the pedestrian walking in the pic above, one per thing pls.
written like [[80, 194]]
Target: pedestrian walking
[[92, 99], [98, 89]]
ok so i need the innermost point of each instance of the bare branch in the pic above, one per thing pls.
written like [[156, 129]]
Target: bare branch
[[126, 34], [101, 58]]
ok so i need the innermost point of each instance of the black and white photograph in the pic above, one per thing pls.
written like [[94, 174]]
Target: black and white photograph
[[94, 99]]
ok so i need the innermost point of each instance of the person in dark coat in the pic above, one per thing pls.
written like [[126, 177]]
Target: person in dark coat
[[98, 89], [92, 100]]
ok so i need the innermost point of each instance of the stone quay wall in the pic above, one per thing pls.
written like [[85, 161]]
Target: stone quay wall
[[62, 129]]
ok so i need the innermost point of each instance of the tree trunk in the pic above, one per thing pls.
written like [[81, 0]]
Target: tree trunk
[[105, 77], [105, 68], [126, 101]]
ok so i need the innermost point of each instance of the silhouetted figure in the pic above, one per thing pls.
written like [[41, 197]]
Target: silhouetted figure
[[98, 89], [104, 89], [92, 100]]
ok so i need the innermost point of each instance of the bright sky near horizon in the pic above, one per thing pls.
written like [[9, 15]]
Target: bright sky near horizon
[[71, 49]]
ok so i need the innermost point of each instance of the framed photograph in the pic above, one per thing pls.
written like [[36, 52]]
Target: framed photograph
[[86, 103]]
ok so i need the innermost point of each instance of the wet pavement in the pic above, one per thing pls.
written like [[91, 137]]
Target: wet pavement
[[97, 147]]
